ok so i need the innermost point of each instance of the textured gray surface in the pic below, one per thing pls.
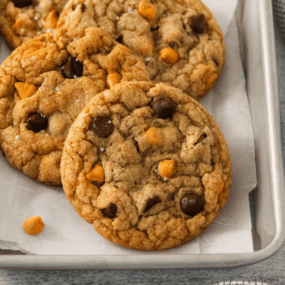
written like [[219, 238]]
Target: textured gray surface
[[279, 10], [280, 58], [270, 270]]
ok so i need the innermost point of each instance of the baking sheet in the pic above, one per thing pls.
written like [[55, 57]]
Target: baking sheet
[[219, 258], [66, 233]]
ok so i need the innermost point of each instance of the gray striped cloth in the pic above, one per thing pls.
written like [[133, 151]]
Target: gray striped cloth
[[241, 283], [279, 14]]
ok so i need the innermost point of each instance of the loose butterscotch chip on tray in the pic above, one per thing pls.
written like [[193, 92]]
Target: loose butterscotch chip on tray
[[33, 225], [146, 165]]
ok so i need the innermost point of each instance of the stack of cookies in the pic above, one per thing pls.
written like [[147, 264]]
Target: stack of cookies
[[101, 97]]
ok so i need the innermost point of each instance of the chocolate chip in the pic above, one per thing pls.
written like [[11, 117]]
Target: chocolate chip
[[22, 3], [197, 23], [164, 108], [151, 202], [72, 68], [102, 126], [201, 138], [119, 39], [36, 122], [83, 7], [192, 204], [110, 211]]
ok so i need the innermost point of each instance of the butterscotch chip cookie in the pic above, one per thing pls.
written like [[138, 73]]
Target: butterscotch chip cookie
[[22, 20], [146, 165], [45, 83], [180, 41]]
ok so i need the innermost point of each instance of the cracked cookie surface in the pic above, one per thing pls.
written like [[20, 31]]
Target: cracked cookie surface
[[22, 20], [45, 83], [180, 41], [146, 165]]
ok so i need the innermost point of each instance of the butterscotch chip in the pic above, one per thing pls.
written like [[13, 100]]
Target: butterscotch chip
[[97, 174], [168, 55], [180, 42], [113, 79], [147, 10], [167, 168], [33, 225], [154, 136], [46, 82], [25, 90]]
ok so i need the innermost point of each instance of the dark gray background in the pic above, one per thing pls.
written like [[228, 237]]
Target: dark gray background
[[271, 270]]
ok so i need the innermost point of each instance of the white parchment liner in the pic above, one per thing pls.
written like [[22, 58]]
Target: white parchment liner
[[65, 233]]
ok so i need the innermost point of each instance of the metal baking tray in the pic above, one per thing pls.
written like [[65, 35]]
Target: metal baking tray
[[256, 33]]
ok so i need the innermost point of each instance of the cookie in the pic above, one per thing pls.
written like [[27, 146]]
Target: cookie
[[45, 83], [180, 41], [146, 165], [22, 20]]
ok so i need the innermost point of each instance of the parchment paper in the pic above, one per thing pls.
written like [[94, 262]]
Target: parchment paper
[[65, 233]]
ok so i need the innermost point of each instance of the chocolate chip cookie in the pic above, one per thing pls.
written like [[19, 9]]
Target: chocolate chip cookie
[[45, 83], [180, 41], [146, 165], [22, 20]]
